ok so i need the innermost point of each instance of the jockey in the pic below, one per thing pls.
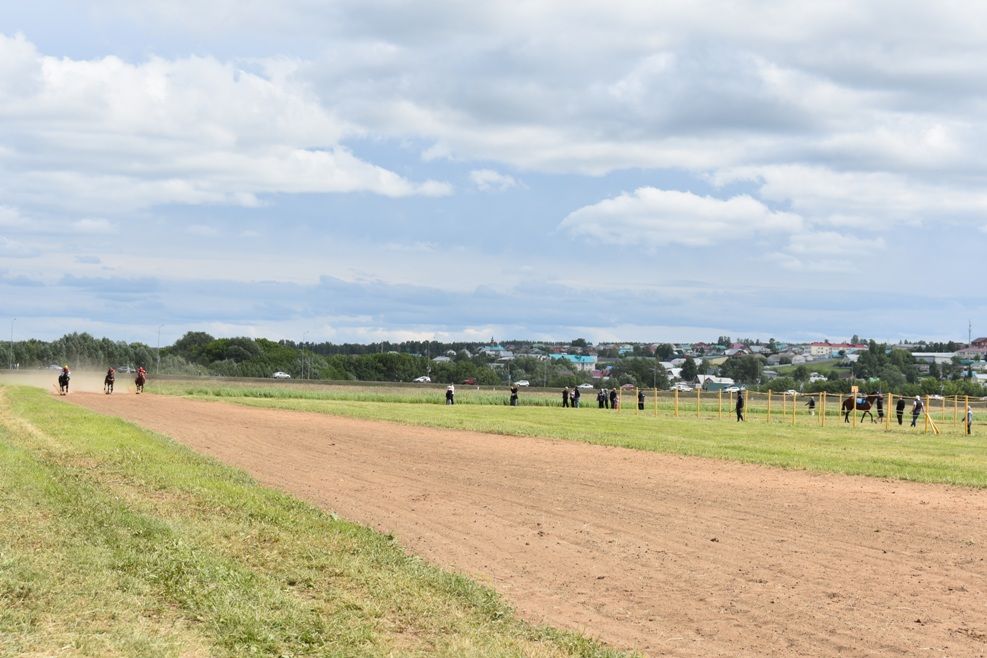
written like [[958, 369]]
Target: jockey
[[141, 372]]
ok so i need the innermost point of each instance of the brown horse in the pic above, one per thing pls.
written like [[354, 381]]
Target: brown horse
[[863, 404], [139, 381], [108, 381]]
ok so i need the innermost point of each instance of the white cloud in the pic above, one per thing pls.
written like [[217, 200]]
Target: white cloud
[[488, 180], [94, 226], [13, 249], [110, 135], [654, 217]]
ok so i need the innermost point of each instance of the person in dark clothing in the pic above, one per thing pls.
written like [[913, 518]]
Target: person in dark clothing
[[899, 410], [879, 401], [640, 400], [450, 394], [575, 397], [613, 398], [565, 397], [917, 408], [740, 407], [513, 395], [969, 420], [601, 398], [811, 403]]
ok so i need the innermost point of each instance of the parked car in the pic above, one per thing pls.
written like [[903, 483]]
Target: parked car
[[281, 375], [682, 387], [470, 380], [585, 386], [521, 382], [732, 389], [125, 369], [791, 391], [424, 379]]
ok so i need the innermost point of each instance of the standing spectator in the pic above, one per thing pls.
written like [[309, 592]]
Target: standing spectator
[[879, 401], [513, 395], [917, 408], [640, 399], [450, 394], [565, 397], [740, 406], [969, 419], [811, 403], [601, 398], [899, 410], [575, 397], [613, 397]]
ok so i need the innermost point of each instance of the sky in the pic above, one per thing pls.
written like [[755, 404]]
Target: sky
[[356, 171]]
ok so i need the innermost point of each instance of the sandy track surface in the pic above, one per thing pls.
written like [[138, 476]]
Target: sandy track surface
[[666, 555]]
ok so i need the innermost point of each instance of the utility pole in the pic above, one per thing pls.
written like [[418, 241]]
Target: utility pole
[[157, 370]]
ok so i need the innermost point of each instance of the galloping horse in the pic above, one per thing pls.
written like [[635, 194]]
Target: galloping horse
[[111, 377], [863, 404], [140, 381], [63, 382]]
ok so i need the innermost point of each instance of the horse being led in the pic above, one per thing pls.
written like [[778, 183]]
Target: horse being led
[[139, 381], [111, 377], [860, 403]]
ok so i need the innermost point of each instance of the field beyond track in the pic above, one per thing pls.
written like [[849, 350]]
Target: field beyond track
[[666, 554]]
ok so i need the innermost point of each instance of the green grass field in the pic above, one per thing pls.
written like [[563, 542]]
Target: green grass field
[[115, 541], [867, 449]]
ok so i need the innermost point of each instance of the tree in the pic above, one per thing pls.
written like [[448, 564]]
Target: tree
[[800, 374], [689, 369], [665, 352]]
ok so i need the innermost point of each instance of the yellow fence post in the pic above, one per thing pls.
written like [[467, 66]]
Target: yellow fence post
[[699, 394], [769, 405], [656, 401], [676, 403], [956, 408], [794, 402], [822, 412], [719, 404], [926, 413], [887, 415]]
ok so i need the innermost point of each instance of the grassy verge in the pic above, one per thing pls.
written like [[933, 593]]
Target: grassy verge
[[952, 458], [119, 542]]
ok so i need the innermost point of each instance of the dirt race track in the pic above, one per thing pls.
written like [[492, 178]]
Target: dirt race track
[[666, 555]]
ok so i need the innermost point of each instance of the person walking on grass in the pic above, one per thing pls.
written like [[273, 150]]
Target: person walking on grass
[[575, 397], [565, 397], [917, 408], [513, 395], [969, 420], [811, 403], [740, 406], [899, 410], [613, 398], [601, 398], [640, 400], [451, 394]]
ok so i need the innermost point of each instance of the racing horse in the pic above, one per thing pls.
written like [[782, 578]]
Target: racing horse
[[63, 382], [109, 380], [139, 381], [864, 404]]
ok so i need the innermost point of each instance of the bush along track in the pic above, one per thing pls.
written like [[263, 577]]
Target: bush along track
[[116, 541]]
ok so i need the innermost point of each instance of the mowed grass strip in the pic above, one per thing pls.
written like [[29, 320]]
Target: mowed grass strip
[[119, 542], [903, 453]]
